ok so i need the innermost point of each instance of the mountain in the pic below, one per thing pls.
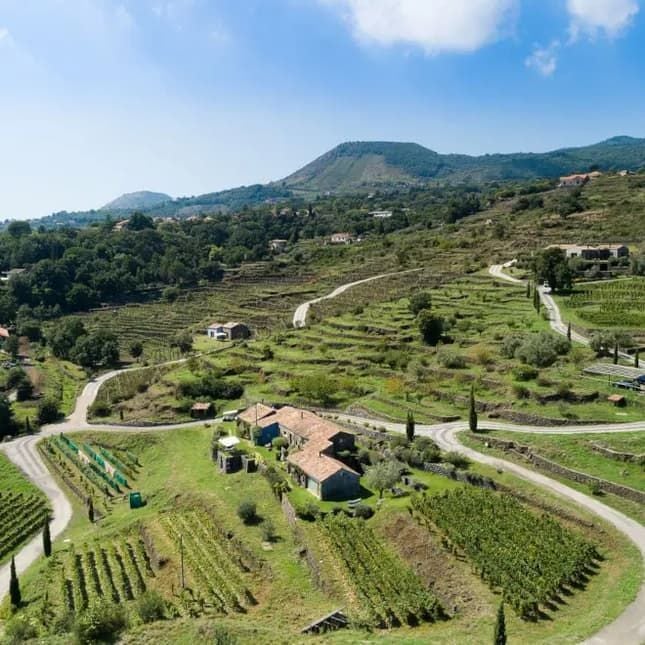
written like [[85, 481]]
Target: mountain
[[363, 165], [142, 199]]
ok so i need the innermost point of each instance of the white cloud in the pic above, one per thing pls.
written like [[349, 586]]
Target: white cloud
[[604, 17], [544, 60], [5, 36], [434, 25]]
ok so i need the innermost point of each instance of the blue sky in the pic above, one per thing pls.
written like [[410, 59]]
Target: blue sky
[[101, 97]]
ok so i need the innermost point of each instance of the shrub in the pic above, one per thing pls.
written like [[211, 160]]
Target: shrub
[[268, 531], [364, 511], [457, 459], [542, 350], [19, 630], [247, 512], [102, 621], [450, 359], [48, 411], [520, 391], [525, 373], [430, 326], [419, 302], [308, 511], [150, 607], [510, 345]]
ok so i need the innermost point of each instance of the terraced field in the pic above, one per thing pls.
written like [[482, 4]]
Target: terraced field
[[23, 508]]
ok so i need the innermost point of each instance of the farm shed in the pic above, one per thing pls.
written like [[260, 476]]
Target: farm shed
[[201, 410], [228, 331], [323, 476], [617, 399], [229, 462]]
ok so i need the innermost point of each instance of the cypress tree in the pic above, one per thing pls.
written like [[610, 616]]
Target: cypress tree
[[409, 426], [616, 353], [500, 627], [528, 288], [47, 539], [27, 425], [472, 413], [569, 332], [14, 586], [636, 359], [90, 509]]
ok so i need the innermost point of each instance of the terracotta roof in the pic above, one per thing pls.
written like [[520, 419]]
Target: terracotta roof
[[316, 465], [256, 413], [199, 406], [306, 424], [4, 333], [228, 325], [615, 398]]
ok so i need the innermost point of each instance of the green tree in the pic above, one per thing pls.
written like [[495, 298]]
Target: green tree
[[12, 346], [7, 421], [136, 349], [569, 331], [499, 637], [48, 411], [419, 302], [409, 426], [247, 511], [183, 341], [615, 352], [90, 510], [382, 475], [551, 266], [637, 359], [472, 412], [431, 326], [47, 539], [140, 222], [14, 586]]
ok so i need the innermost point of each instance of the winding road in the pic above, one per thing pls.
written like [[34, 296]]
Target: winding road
[[626, 629]]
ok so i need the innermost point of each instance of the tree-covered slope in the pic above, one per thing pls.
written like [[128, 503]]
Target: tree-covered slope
[[139, 200], [357, 165]]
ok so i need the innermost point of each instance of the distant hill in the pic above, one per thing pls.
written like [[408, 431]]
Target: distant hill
[[142, 199], [362, 165]]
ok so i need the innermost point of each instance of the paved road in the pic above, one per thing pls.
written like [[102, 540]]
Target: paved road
[[300, 315], [627, 629], [555, 316]]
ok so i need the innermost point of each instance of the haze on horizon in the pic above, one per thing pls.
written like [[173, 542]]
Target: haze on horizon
[[103, 97]]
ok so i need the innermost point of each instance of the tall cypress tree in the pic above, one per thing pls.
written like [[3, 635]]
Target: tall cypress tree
[[472, 413], [14, 586], [90, 509], [637, 359], [409, 426], [528, 288], [569, 331], [500, 627], [47, 539], [615, 352]]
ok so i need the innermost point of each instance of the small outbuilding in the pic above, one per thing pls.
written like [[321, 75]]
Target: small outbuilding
[[201, 410], [228, 331], [617, 399]]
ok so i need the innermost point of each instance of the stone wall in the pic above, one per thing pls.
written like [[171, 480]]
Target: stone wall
[[618, 456], [574, 475]]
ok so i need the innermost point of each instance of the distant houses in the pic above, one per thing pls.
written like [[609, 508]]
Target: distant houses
[[381, 214], [278, 245], [601, 252], [571, 181], [5, 276], [342, 238], [314, 447], [4, 333], [228, 331]]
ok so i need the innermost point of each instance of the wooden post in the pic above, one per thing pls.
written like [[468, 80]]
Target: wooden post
[[181, 551]]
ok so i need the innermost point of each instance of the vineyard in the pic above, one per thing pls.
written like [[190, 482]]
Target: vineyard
[[532, 559], [619, 303], [218, 564], [91, 471], [390, 594], [118, 570], [21, 515]]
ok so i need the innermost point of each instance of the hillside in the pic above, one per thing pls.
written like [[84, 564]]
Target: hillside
[[362, 165], [141, 199]]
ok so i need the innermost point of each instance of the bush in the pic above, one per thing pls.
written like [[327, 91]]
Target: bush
[[457, 459], [450, 359], [510, 345], [419, 302], [19, 630], [247, 512], [520, 391], [430, 326], [525, 373], [268, 531], [364, 511], [150, 607], [102, 621], [48, 411], [308, 511], [542, 350]]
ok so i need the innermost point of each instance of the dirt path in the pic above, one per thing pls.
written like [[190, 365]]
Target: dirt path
[[300, 315]]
